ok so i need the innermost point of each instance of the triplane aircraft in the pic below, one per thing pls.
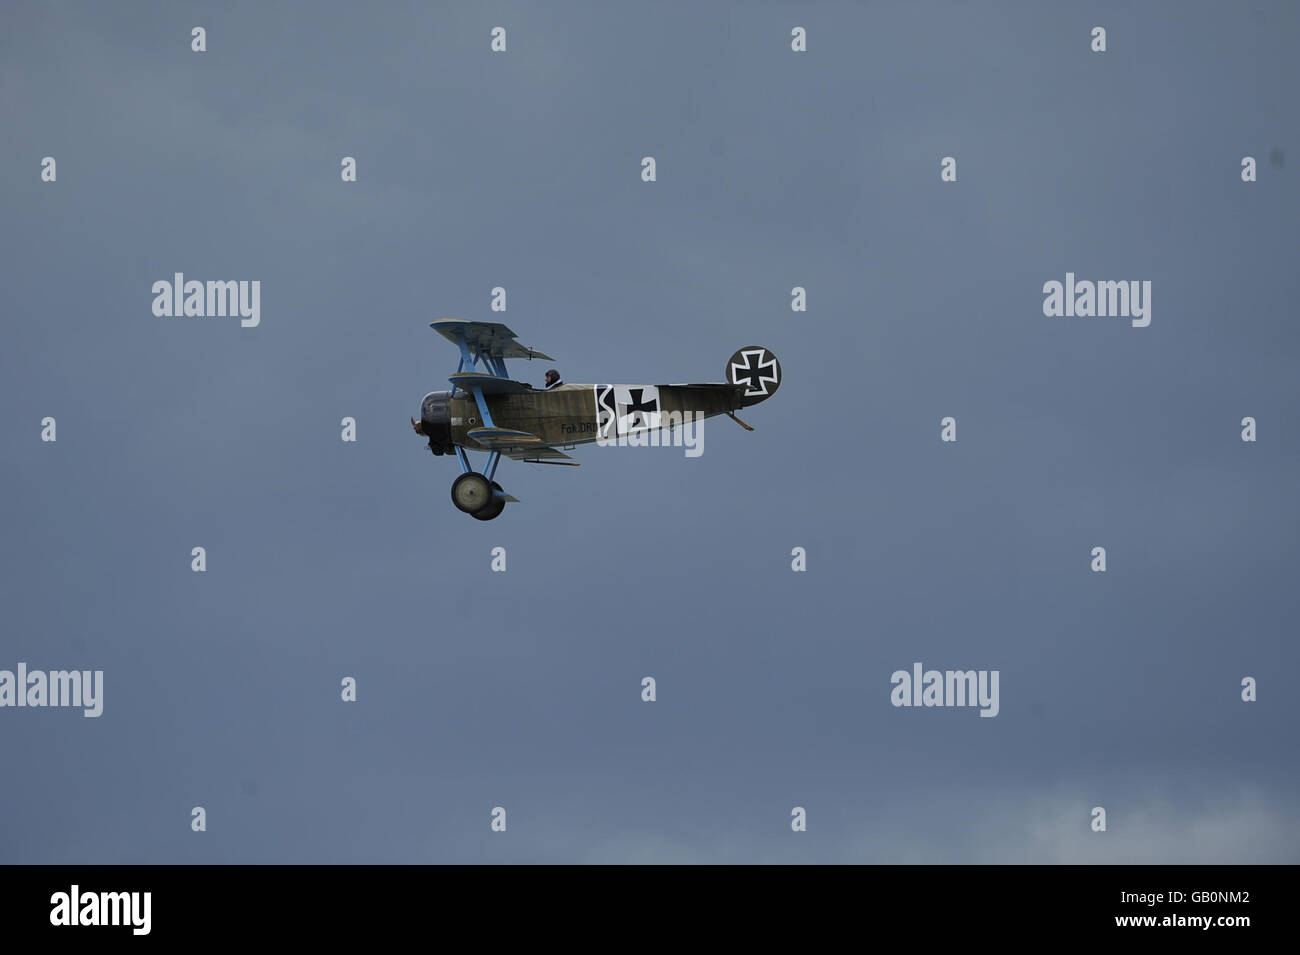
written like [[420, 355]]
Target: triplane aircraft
[[489, 411]]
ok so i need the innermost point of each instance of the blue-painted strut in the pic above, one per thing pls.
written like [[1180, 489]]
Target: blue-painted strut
[[467, 358], [497, 366], [482, 406]]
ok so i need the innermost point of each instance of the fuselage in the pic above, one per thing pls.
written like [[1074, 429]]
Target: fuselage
[[574, 414]]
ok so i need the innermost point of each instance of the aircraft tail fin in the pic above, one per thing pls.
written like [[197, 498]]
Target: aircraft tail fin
[[758, 370]]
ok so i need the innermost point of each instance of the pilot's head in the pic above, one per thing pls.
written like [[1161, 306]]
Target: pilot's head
[[552, 377]]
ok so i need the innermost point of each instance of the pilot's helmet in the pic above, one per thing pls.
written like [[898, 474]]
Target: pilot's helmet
[[552, 375]]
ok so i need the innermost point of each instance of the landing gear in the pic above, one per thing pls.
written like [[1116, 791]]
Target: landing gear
[[471, 493], [494, 507], [477, 496]]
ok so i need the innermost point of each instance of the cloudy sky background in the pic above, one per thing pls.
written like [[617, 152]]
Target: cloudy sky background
[[522, 689]]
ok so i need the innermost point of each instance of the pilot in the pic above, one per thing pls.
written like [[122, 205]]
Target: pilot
[[553, 379]]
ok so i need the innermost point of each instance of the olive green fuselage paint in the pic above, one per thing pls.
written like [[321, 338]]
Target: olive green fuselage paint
[[567, 415]]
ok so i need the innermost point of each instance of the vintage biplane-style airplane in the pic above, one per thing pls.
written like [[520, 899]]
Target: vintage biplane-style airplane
[[488, 411]]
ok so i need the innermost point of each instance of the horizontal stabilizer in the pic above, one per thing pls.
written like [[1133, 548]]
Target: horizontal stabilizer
[[717, 385]]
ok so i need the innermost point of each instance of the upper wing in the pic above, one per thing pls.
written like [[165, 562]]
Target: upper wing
[[486, 338]]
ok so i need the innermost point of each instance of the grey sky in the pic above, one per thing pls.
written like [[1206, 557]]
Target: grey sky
[[521, 689]]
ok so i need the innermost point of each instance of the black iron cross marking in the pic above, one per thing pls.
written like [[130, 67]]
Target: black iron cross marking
[[636, 408], [752, 373]]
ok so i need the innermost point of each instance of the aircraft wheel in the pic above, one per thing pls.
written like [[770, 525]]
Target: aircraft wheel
[[495, 508], [471, 493]]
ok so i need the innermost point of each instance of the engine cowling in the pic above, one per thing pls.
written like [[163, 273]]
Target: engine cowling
[[435, 422]]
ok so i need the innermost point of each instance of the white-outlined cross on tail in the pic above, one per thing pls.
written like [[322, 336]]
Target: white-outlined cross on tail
[[752, 372]]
